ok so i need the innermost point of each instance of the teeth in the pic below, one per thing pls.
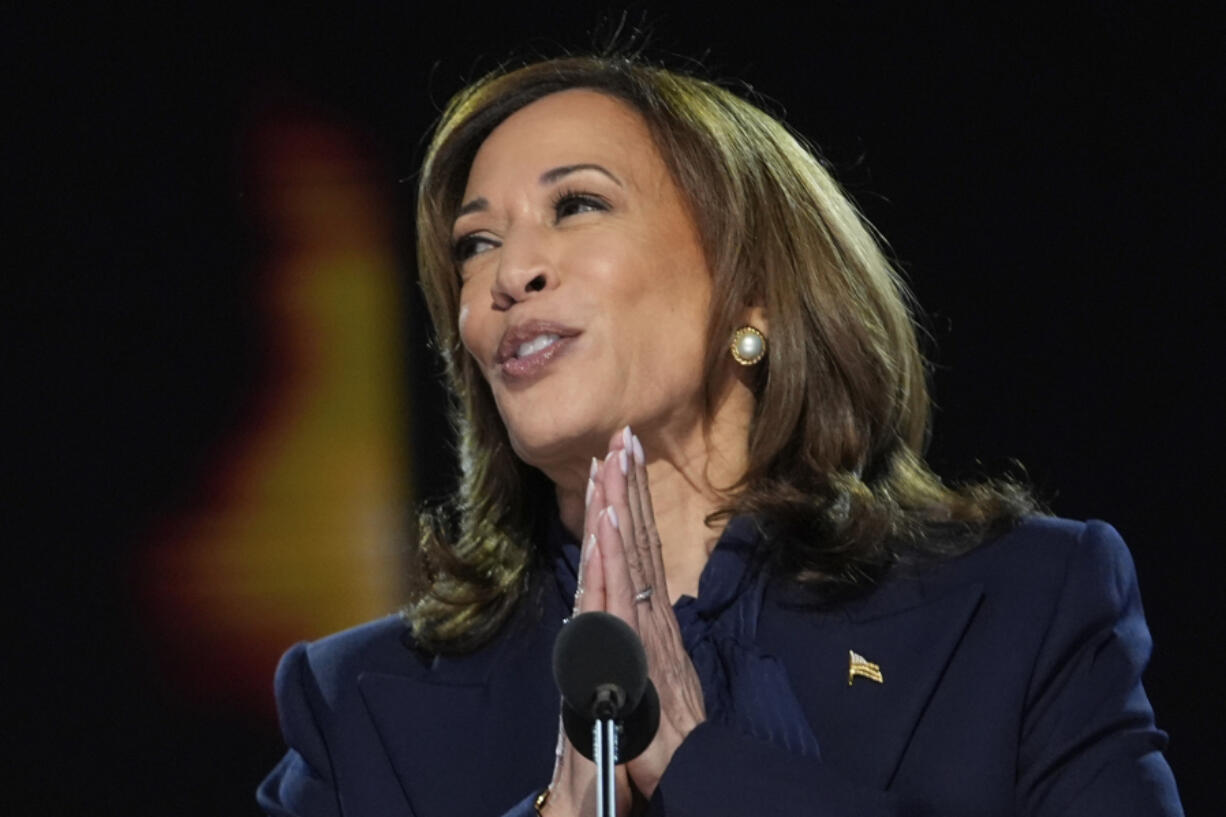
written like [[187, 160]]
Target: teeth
[[535, 345]]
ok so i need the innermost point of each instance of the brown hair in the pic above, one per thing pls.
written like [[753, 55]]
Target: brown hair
[[835, 474]]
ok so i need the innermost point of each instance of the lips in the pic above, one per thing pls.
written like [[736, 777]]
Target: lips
[[528, 348]]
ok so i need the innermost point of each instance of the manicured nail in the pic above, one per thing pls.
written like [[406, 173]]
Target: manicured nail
[[638, 451], [626, 435], [591, 472], [587, 554], [587, 500], [621, 460], [613, 517]]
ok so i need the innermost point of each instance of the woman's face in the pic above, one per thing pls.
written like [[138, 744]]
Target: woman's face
[[585, 289]]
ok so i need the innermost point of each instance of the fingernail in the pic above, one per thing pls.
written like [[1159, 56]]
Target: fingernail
[[626, 435], [587, 553], [613, 517], [591, 472], [638, 451], [621, 460], [587, 500]]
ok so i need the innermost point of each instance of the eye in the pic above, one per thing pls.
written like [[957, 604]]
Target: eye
[[466, 246], [572, 202]]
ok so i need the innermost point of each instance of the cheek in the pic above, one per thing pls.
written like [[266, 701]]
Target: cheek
[[471, 335]]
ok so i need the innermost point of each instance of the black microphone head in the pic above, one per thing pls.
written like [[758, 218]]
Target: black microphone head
[[597, 655]]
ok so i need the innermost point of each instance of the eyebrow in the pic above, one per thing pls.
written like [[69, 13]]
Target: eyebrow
[[475, 206], [480, 203], [551, 176]]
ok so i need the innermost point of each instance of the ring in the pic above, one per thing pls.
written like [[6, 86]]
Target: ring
[[644, 594]]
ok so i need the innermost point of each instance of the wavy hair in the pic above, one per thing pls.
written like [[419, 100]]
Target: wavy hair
[[836, 471]]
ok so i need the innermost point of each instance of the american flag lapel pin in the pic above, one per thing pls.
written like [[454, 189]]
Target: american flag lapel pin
[[859, 665]]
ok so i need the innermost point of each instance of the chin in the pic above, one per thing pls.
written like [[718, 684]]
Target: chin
[[547, 442]]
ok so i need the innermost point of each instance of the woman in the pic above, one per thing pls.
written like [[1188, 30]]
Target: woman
[[688, 392]]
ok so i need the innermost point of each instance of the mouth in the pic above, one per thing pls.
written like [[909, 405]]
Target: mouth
[[527, 349]]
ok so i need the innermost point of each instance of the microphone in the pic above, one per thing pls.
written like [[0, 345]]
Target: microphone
[[601, 670]]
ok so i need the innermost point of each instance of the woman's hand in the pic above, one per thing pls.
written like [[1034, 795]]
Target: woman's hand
[[624, 576], [620, 557], [572, 792]]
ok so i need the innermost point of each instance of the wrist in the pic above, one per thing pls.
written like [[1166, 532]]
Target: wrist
[[552, 803]]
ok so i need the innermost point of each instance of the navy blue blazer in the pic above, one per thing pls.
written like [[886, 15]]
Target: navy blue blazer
[[1011, 685]]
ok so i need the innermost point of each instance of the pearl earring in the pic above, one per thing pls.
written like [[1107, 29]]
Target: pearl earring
[[748, 346]]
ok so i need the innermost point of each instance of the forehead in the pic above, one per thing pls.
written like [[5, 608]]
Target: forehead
[[568, 127]]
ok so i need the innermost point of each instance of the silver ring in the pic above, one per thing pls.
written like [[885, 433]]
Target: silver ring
[[644, 594]]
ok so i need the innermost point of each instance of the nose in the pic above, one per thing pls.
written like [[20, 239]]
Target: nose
[[524, 269]]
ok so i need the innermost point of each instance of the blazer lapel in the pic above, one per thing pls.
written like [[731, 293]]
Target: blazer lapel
[[470, 735], [420, 725], [863, 727]]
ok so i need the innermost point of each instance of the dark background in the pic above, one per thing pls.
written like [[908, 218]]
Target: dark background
[[1050, 181]]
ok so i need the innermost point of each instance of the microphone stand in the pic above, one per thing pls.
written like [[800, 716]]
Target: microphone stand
[[604, 741], [604, 748]]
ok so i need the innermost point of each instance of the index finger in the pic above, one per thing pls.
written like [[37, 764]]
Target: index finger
[[594, 503], [641, 495], [618, 585]]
